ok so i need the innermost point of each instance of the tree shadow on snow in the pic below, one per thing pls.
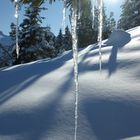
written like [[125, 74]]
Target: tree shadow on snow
[[38, 121], [113, 120], [117, 40], [113, 125], [17, 79]]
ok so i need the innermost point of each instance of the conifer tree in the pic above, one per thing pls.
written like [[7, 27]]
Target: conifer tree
[[59, 46], [84, 27], [6, 58], [67, 41], [130, 16], [32, 40], [111, 24], [12, 33]]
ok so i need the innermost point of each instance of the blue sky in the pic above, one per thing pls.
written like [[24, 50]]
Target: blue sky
[[53, 14]]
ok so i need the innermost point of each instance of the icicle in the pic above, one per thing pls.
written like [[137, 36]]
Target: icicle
[[17, 18], [93, 12], [79, 9], [100, 5], [93, 16], [64, 18], [75, 60]]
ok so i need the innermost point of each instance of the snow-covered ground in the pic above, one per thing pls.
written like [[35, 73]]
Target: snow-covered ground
[[37, 99]]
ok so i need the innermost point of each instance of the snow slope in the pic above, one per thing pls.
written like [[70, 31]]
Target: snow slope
[[37, 99]]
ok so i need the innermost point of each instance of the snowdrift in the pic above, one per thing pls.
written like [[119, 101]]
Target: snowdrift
[[37, 99]]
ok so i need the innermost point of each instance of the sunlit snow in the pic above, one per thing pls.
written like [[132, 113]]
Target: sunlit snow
[[37, 99]]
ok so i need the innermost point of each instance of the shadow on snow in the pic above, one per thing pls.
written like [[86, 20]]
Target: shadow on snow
[[107, 118], [17, 79], [38, 121], [112, 120], [118, 39]]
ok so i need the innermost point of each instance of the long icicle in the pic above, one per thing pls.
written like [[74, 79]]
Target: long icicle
[[94, 6], [79, 9], [17, 18], [75, 60], [93, 12], [64, 17], [100, 5]]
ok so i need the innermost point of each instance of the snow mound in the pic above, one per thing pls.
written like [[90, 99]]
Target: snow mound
[[37, 99]]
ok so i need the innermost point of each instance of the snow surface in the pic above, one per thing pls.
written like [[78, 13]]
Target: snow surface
[[37, 99]]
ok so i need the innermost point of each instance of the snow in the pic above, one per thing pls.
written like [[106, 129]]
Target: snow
[[37, 99]]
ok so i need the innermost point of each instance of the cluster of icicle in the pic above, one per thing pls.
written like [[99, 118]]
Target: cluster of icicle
[[17, 18], [76, 6]]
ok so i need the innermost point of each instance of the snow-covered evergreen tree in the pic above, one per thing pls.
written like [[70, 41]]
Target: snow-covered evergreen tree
[[111, 24], [6, 58], [47, 43], [59, 46], [85, 32], [130, 16], [137, 13], [67, 41], [106, 24], [32, 40], [88, 28], [12, 33]]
